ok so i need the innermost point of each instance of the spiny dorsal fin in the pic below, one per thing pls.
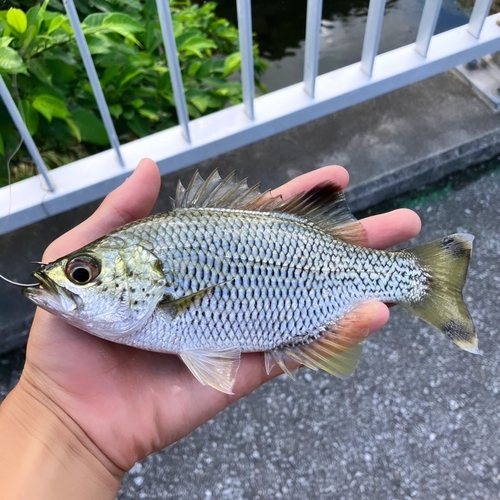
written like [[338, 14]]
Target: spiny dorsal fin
[[337, 352], [324, 205], [214, 192]]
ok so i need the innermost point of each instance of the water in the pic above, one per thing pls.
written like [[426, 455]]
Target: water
[[279, 27]]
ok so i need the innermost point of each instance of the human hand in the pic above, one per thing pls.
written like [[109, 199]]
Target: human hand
[[125, 403]]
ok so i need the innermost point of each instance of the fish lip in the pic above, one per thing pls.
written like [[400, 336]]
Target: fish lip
[[49, 293], [45, 282]]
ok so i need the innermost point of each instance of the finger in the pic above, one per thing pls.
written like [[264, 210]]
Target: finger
[[334, 173], [383, 231], [392, 228], [132, 200]]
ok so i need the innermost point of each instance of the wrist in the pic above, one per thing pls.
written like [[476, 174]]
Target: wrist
[[45, 455]]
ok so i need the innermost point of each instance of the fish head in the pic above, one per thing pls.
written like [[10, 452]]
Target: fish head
[[109, 289]]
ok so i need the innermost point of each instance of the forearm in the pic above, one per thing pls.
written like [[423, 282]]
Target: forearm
[[42, 457]]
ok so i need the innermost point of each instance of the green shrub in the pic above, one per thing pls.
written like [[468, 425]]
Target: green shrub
[[40, 64]]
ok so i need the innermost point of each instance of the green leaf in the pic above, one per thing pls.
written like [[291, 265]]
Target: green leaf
[[121, 24], [139, 126], [2, 146], [17, 20], [193, 68], [232, 63], [229, 89], [91, 128], [211, 67], [115, 110], [11, 62], [56, 23], [98, 45], [149, 114], [137, 103], [200, 102], [75, 130], [29, 35], [128, 114], [50, 107], [195, 45], [152, 37], [63, 74], [40, 70], [5, 41], [30, 116], [129, 75], [93, 21]]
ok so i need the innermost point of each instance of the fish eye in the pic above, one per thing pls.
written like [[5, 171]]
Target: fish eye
[[82, 269]]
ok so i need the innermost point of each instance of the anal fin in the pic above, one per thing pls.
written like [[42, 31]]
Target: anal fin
[[216, 368], [337, 352]]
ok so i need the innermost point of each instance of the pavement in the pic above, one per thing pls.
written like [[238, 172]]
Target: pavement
[[419, 419]]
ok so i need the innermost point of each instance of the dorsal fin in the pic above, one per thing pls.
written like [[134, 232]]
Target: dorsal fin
[[215, 192], [324, 205]]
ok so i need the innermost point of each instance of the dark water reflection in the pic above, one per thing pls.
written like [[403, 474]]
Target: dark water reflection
[[279, 26]]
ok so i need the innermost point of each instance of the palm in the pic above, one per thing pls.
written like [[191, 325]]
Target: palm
[[131, 402]]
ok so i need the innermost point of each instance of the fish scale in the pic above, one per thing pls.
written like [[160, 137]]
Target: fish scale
[[334, 264], [231, 270]]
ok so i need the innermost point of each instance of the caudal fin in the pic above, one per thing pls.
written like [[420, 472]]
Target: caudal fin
[[446, 261]]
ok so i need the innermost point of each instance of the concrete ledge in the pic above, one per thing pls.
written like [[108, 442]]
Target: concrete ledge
[[391, 144], [424, 171]]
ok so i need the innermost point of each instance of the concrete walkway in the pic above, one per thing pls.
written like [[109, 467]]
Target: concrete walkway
[[419, 419]]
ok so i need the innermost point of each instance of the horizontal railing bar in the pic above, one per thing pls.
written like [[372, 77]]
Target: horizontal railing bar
[[311, 50], [372, 35], [427, 26], [167, 30], [244, 12], [25, 135], [230, 128], [478, 16], [93, 78]]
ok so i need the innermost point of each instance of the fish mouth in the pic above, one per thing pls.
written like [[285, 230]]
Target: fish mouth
[[49, 295], [45, 282]]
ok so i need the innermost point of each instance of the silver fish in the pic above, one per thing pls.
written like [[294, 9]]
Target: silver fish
[[231, 270]]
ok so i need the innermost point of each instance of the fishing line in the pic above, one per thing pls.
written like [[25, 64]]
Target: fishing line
[[24, 285], [14, 151], [9, 180]]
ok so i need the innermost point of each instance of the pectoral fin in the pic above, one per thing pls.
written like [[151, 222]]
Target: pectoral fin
[[181, 304], [216, 368]]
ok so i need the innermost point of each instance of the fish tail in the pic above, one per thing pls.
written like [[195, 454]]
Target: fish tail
[[446, 261]]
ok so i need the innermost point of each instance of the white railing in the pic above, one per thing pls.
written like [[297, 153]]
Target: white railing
[[193, 141]]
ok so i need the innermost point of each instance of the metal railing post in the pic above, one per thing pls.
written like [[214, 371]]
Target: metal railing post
[[372, 35], [26, 136], [244, 11], [427, 26], [167, 30], [478, 16], [311, 56], [93, 78]]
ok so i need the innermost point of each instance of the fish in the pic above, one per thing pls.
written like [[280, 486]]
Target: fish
[[231, 270]]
